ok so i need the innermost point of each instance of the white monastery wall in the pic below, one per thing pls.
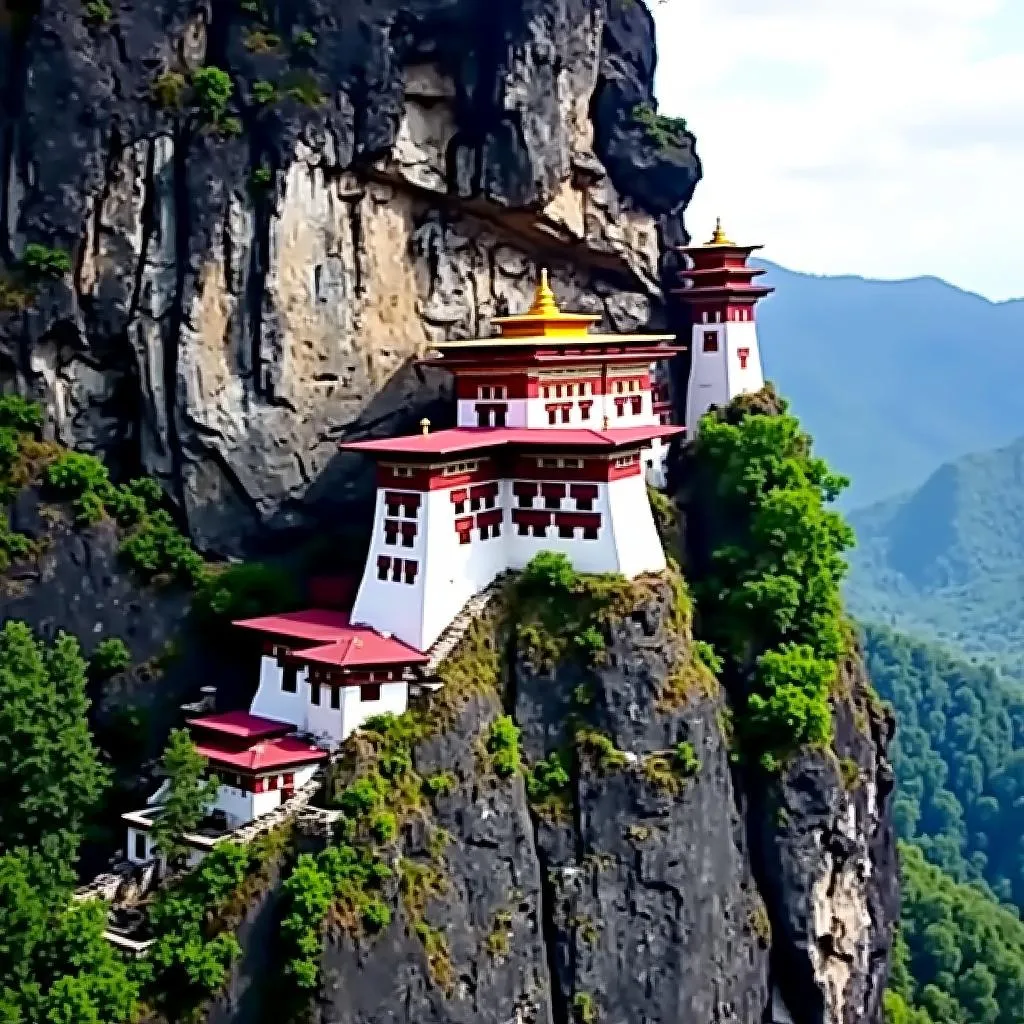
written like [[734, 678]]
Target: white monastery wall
[[238, 805], [271, 701], [635, 538], [733, 368], [515, 412]]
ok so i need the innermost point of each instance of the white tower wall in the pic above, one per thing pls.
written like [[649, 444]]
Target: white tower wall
[[719, 376]]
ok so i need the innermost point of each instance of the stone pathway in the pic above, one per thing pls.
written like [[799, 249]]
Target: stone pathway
[[473, 609]]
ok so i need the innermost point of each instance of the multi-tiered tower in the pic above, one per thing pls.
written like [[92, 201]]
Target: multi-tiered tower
[[549, 454], [725, 358]]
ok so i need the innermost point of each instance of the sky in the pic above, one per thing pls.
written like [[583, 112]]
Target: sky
[[875, 137]]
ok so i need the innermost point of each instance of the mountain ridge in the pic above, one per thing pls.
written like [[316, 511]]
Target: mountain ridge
[[944, 392]]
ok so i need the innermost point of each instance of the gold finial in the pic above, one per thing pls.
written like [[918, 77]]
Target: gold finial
[[544, 301], [425, 425], [719, 237]]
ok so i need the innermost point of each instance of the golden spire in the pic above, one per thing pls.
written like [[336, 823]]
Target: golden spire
[[544, 303], [425, 425], [719, 237]]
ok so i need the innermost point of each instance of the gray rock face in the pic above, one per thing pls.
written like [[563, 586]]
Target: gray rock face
[[644, 894], [249, 292]]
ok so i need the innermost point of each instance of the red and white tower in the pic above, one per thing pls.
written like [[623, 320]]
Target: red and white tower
[[720, 291]]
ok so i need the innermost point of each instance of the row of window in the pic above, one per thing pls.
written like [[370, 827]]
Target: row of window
[[397, 570], [553, 502], [261, 785], [486, 531], [583, 389], [402, 504], [563, 532], [561, 413], [290, 684], [492, 391], [458, 468], [715, 316], [395, 530]]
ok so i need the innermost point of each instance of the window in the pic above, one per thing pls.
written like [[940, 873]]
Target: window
[[369, 692], [402, 470], [552, 414], [407, 539], [710, 341], [499, 416], [565, 413], [394, 509], [314, 693], [464, 537], [565, 532], [289, 681], [525, 500], [335, 698], [585, 410], [140, 845], [585, 504], [390, 531], [474, 504], [539, 530], [410, 571], [546, 391], [460, 507], [383, 565], [272, 782], [483, 416], [590, 533], [637, 405], [743, 354], [522, 529], [552, 501], [396, 571], [289, 778]]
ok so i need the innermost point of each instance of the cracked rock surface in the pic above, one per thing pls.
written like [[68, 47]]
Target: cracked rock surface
[[250, 288]]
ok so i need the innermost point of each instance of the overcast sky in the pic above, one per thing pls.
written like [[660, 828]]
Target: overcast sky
[[874, 137]]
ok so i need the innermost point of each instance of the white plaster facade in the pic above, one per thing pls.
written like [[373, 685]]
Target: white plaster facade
[[449, 571], [722, 368], [341, 710]]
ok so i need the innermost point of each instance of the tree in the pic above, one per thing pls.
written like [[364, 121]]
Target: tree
[[50, 766], [189, 795]]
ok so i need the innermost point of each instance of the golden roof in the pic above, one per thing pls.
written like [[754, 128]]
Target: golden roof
[[719, 237], [545, 320]]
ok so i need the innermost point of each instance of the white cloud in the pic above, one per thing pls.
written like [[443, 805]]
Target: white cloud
[[882, 137]]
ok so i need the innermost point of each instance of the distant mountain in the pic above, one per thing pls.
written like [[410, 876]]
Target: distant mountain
[[947, 560], [893, 378]]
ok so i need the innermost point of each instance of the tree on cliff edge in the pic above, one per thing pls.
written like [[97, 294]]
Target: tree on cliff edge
[[189, 795]]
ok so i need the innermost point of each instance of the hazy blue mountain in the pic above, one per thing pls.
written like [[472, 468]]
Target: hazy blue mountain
[[894, 378], [947, 559]]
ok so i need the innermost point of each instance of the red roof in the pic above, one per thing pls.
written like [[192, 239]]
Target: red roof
[[464, 439], [335, 641], [264, 755], [242, 725]]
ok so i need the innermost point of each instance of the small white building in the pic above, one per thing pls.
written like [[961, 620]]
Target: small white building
[[258, 764], [725, 356]]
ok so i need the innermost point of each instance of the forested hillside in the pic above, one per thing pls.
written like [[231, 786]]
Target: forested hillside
[[893, 378], [946, 562], [959, 760]]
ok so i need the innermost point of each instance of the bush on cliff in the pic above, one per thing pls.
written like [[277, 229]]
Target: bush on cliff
[[770, 597]]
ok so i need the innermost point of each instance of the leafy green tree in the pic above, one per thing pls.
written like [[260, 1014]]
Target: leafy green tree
[[51, 768], [188, 797]]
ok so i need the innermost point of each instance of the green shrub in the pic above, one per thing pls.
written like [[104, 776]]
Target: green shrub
[[665, 132], [10, 451], [606, 756], [213, 89], [376, 915], [42, 261], [263, 92], [168, 90], [157, 548], [364, 794], [260, 40], [590, 644], [98, 12], [549, 571], [441, 784], [686, 761], [72, 474], [305, 40], [110, 657], [549, 777], [384, 826], [13, 545], [20, 414], [503, 744], [584, 1008], [245, 591], [705, 653]]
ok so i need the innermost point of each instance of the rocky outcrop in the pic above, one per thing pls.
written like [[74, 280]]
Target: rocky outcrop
[[250, 284], [653, 882]]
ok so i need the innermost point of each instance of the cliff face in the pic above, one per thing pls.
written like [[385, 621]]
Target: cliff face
[[652, 882], [252, 273]]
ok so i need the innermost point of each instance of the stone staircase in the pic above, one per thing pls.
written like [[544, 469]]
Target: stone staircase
[[473, 608]]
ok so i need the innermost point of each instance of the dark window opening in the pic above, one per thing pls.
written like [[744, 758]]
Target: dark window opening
[[369, 692], [711, 341], [335, 698], [565, 532], [314, 693], [289, 681], [140, 846]]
